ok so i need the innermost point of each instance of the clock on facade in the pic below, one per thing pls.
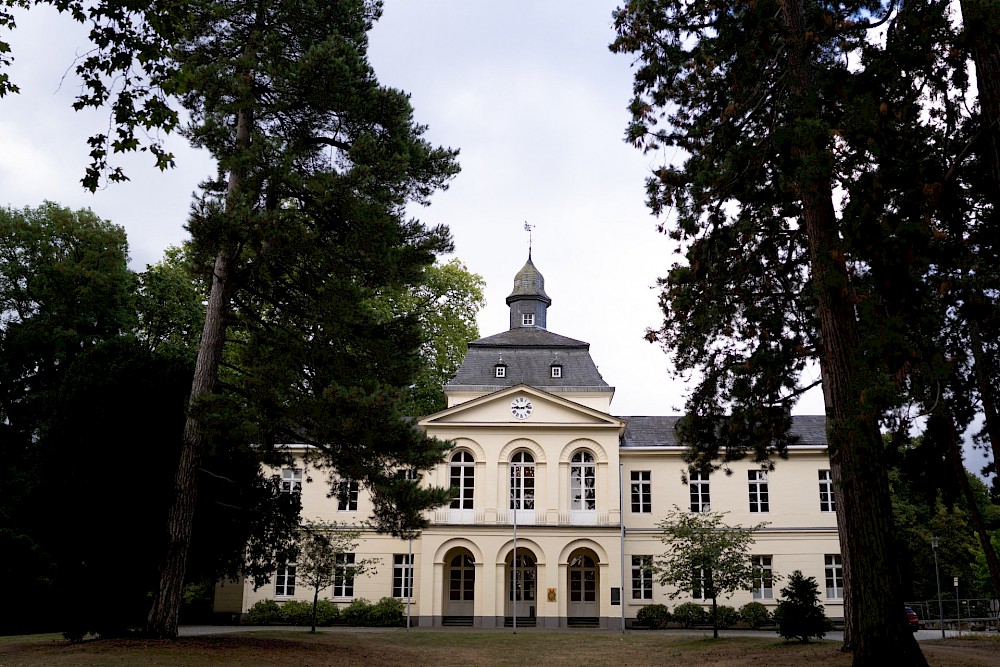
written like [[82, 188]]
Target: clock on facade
[[520, 407]]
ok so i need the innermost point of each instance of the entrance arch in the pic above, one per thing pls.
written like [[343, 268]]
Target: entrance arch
[[521, 595], [459, 586], [583, 585]]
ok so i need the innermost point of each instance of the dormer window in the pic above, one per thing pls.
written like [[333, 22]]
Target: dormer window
[[527, 319], [501, 370], [556, 370]]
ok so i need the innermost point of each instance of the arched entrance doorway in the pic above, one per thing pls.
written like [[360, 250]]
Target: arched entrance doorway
[[521, 598], [584, 605], [460, 588]]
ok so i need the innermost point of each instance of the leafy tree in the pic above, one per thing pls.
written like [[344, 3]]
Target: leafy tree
[[707, 554], [321, 560], [773, 118], [171, 307], [128, 70], [445, 303], [799, 612], [304, 226]]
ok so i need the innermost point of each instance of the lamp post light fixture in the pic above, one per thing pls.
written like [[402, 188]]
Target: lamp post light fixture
[[937, 579]]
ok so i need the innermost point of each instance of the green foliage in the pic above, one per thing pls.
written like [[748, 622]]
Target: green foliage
[[723, 616], [357, 613], [445, 303], [126, 69], [322, 549], [265, 612], [653, 616], [327, 613], [755, 614], [297, 612], [387, 612], [690, 614], [702, 541], [799, 613]]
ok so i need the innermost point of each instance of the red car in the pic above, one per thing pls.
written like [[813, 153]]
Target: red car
[[911, 618]]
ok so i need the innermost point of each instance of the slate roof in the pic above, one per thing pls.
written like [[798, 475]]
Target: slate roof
[[659, 431], [528, 353]]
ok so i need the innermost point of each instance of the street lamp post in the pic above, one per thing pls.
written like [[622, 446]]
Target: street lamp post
[[937, 579]]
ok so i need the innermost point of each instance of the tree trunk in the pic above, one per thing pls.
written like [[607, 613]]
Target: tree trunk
[[984, 379], [163, 616], [873, 630], [715, 618], [315, 604], [981, 19], [962, 477]]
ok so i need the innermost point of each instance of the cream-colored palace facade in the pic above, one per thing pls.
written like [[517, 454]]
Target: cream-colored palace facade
[[540, 462]]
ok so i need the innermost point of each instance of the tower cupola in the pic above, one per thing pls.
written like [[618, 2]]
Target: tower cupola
[[528, 302]]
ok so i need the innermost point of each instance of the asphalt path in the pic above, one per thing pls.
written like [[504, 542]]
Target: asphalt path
[[836, 635]]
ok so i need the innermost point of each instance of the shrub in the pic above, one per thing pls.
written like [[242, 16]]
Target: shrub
[[799, 613], [690, 614], [388, 612], [725, 615], [297, 612], [327, 613], [264, 612], [755, 615], [357, 613], [653, 616]]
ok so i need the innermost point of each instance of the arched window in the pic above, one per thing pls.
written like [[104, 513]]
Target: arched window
[[522, 481], [463, 480], [583, 482]]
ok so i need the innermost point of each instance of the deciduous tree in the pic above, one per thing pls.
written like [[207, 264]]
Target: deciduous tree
[[706, 555]]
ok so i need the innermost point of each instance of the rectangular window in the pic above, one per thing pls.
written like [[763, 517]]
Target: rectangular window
[[291, 480], [834, 576], [826, 503], [347, 495], [700, 499], [758, 490], [501, 371], [557, 371], [642, 577], [343, 578], [763, 578], [642, 492], [528, 319], [284, 581], [402, 575], [698, 584]]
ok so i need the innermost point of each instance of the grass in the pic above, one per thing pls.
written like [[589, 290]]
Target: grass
[[277, 648]]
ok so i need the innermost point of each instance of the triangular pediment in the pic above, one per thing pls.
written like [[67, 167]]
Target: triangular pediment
[[498, 408]]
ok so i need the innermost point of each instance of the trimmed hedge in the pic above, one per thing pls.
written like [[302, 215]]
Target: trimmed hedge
[[653, 616], [727, 616], [755, 615], [690, 614]]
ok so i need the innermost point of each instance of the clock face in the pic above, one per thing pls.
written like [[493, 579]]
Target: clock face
[[520, 407]]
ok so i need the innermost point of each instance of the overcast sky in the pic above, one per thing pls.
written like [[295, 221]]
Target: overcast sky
[[531, 95]]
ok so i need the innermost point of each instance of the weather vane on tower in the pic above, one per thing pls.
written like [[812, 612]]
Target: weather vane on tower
[[528, 229]]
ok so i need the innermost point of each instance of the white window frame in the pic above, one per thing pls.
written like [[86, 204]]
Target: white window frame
[[834, 571], [556, 370], [350, 502], [284, 581], [522, 481], [462, 474], [291, 480], [698, 485], [402, 576], [583, 482], [343, 580], [698, 584], [827, 501], [642, 578], [763, 581], [757, 482], [527, 319], [641, 487], [501, 370]]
